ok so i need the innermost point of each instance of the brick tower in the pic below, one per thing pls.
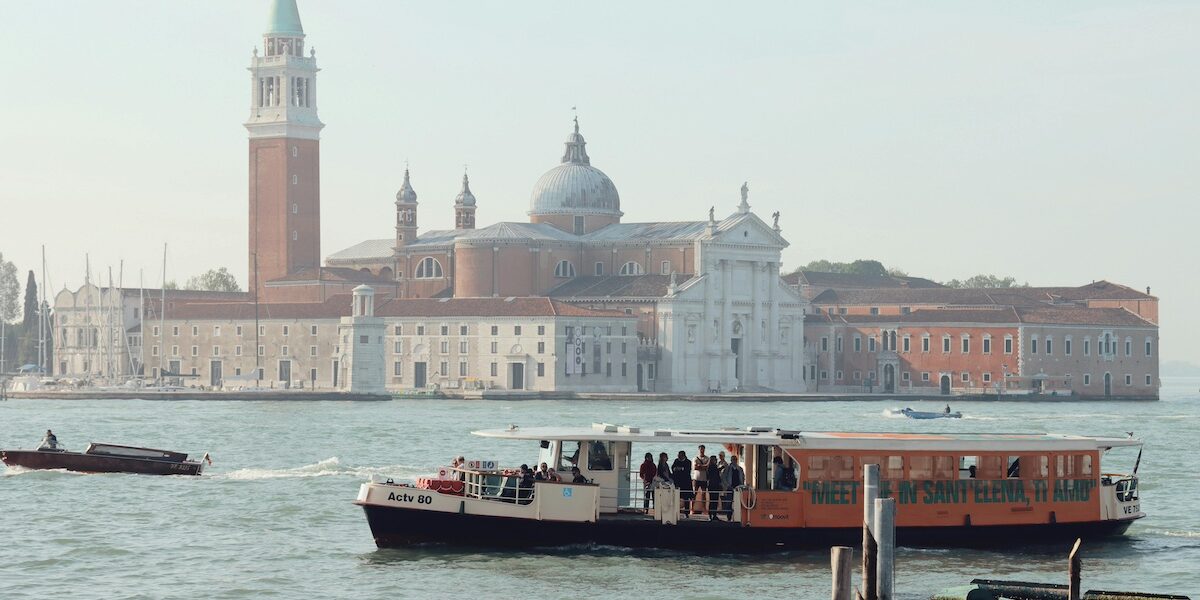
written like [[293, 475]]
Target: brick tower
[[285, 174]]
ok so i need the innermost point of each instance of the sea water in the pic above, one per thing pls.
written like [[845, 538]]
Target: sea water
[[273, 517]]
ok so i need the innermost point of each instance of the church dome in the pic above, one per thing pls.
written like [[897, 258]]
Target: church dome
[[575, 186], [406, 195]]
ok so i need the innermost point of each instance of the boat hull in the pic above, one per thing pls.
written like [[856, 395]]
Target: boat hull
[[96, 463], [399, 527]]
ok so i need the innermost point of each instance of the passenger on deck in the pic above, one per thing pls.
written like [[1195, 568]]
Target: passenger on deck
[[577, 477], [598, 458], [714, 488], [681, 477], [971, 470], [458, 463], [545, 474], [700, 482], [647, 472], [731, 478], [664, 467], [49, 441], [947, 409], [778, 473], [526, 487]]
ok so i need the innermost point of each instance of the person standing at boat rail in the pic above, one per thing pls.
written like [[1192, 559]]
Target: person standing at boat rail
[[49, 441], [681, 477], [700, 482], [732, 478], [647, 472]]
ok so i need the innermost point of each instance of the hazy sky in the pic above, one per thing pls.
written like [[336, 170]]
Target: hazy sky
[[1056, 142]]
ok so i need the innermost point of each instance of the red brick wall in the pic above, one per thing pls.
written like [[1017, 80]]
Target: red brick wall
[[272, 198]]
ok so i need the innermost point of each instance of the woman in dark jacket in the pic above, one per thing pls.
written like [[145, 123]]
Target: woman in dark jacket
[[664, 467], [714, 489], [681, 476]]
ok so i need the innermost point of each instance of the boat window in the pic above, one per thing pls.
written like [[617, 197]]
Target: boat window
[[890, 467], [1086, 468], [943, 467], [968, 467], [546, 453], [570, 457], [831, 467], [1014, 468], [1032, 466], [1071, 466], [920, 467], [600, 456], [991, 467]]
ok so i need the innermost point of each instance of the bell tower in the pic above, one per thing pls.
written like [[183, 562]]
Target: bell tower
[[406, 213], [285, 174], [464, 206]]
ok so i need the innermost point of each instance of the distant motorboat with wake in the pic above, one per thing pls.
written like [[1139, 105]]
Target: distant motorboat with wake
[[107, 458], [919, 414]]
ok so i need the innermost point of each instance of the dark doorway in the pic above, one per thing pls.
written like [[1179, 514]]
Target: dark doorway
[[889, 378], [735, 345], [419, 375], [945, 385], [1107, 384], [335, 373], [214, 373], [641, 386], [285, 370], [516, 376]]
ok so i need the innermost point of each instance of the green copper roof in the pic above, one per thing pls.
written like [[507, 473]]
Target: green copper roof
[[285, 18]]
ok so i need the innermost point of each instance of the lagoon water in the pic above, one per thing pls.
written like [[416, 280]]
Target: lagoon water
[[273, 517]]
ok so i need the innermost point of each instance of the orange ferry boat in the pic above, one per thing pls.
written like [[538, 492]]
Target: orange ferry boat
[[951, 489]]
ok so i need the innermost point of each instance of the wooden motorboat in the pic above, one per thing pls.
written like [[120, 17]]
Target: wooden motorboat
[[951, 489], [107, 458], [921, 414]]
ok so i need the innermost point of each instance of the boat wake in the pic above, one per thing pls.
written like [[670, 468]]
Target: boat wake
[[13, 471], [330, 467]]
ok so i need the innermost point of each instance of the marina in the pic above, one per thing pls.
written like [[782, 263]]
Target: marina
[[275, 512]]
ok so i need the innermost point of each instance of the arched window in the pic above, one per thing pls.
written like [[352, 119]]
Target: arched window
[[564, 269], [631, 268], [428, 268]]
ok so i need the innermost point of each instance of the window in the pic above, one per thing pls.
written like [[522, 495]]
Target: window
[[445, 347], [420, 330], [175, 330], [363, 339], [1033, 345], [262, 330], [195, 350], [495, 347], [874, 310], [262, 350], [154, 351], [495, 330], [283, 350], [1149, 379], [1008, 341], [824, 374], [462, 368], [987, 344], [216, 350], [599, 270], [516, 330], [295, 208], [857, 343], [397, 368], [838, 375], [1049, 346], [839, 344], [398, 330], [195, 330], [925, 343], [871, 344], [824, 344], [966, 377], [445, 330], [295, 179], [444, 368], [564, 269], [462, 330], [987, 377], [1149, 346], [631, 268], [925, 376], [907, 345], [608, 369], [857, 375], [624, 369], [494, 369], [904, 310], [237, 330], [216, 330], [1067, 346], [1128, 347], [286, 331], [462, 347], [945, 344], [237, 350], [579, 225], [666, 267], [1087, 379], [966, 345], [398, 347], [833, 468], [312, 350], [295, 235], [541, 369], [1129, 380], [312, 330], [1087, 346], [542, 330], [155, 331], [428, 268]]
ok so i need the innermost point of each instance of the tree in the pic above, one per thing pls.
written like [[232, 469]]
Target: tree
[[10, 288], [171, 285], [31, 302], [985, 281], [214, 280], [858, 267]]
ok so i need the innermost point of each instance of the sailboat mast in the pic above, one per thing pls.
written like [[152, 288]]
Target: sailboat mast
[[43, 320], [140, 369], [87, 313], [162, 321]]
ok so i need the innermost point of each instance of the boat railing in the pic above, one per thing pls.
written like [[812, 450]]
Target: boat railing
[[496, 484], [1125, 486]]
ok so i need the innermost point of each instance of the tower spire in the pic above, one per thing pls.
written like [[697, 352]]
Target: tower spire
[[406, 213], [576, 148], [284, 19], [464, 205]]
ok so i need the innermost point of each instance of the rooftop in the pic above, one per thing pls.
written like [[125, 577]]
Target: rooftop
[[1000, 315], [340, 306], [618, 286]]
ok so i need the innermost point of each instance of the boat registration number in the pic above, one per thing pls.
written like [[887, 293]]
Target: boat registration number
[[1131, 509], [410, 498]]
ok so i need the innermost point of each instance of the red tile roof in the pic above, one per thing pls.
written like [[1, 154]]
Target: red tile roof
[[1027, 296], [339, 306], [1006, 315]]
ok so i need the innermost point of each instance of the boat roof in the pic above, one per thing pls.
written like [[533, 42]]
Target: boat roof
[[832, 440]]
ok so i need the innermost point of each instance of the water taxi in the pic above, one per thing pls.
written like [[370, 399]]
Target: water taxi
[[107, 458], [801, 489]]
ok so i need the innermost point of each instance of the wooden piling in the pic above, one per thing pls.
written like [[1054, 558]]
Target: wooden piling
[[885, 537], [869, 549], [1073, 571], [841, 561]]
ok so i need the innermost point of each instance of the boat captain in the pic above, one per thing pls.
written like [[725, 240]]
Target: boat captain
[[49, 441]]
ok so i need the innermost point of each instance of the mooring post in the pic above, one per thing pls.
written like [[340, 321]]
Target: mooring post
[[869, 549], [1073, 571], [885, 538], [840, 559]]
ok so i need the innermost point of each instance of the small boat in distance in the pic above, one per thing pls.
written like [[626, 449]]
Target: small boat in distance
[[107, 458], [919, 414], [796, 489]]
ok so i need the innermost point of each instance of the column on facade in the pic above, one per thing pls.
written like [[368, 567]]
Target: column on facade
[[725, 331], [772, 321], [754, 332]]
